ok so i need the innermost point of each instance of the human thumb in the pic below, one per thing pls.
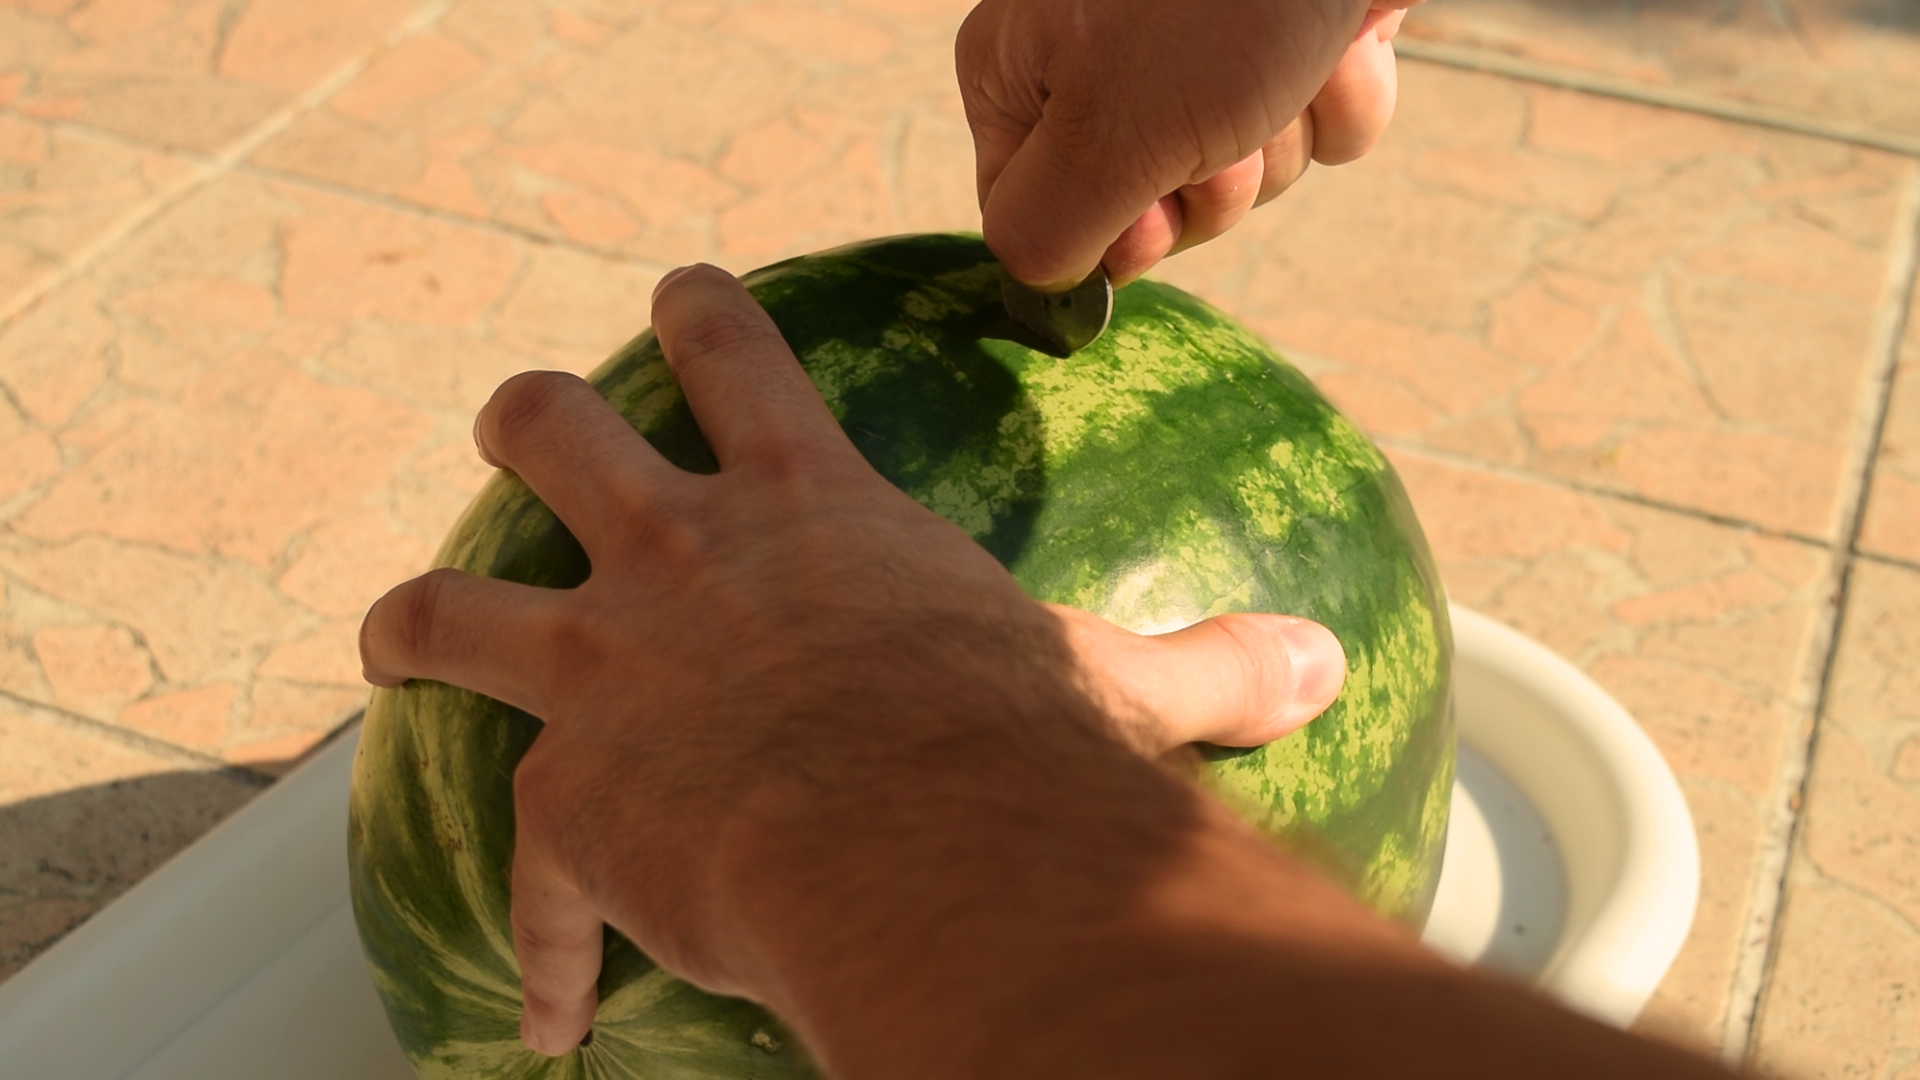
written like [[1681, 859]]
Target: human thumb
[[1232, 680]]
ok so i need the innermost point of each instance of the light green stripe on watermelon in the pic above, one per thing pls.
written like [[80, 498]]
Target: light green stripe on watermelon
[[1174, 470]]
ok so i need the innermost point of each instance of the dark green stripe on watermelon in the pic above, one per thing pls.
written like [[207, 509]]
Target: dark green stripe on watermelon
[[1175, 469]]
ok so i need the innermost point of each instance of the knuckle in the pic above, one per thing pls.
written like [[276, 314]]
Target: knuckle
[[1286, 158], [539, 1000], [535, 938], [1081, 130], [628, 508], [718, 332], [661, 528], [789, 463], [574, 644], [979, 46], [526, 400], [415, 626], [677, 537]]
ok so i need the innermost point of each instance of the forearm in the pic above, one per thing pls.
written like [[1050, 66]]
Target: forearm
[[1011, 916]]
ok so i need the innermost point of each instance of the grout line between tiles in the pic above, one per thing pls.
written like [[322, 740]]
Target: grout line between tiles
[[45, 713], [1499, 63], [1760, 940], [1886, 560], [1527, 476], [211, 168], [207, 165], [485, 225], [67, 126]]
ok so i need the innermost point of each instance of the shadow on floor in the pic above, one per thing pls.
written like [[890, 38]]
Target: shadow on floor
[[64, 856]]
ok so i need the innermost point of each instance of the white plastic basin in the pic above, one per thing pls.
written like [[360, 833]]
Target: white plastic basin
[[1571, 863], [1571, 860]]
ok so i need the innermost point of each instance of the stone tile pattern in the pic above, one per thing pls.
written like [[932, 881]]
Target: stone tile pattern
[[191, 74], [1844, 997], [239, 429], [1694, 626], [1853, 62], [1626, 297], [85, 815], [222, 440], [226, 437], [828, 123], [61, 187]]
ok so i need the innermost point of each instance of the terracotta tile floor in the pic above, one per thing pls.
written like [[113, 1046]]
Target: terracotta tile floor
[[1624, 292]]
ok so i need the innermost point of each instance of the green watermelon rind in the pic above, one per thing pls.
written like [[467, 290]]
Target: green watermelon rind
[[1294, 510]]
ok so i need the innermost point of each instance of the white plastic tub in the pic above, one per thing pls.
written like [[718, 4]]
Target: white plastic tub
[[1571, 859], [1570, 862]]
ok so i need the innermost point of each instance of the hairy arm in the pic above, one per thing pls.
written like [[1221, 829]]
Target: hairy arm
[[1059, 907]]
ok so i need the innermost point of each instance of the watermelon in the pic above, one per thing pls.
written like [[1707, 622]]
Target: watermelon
[[1174, 470]]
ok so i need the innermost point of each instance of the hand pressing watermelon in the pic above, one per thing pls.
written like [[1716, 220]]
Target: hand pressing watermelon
[[803, 716]]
